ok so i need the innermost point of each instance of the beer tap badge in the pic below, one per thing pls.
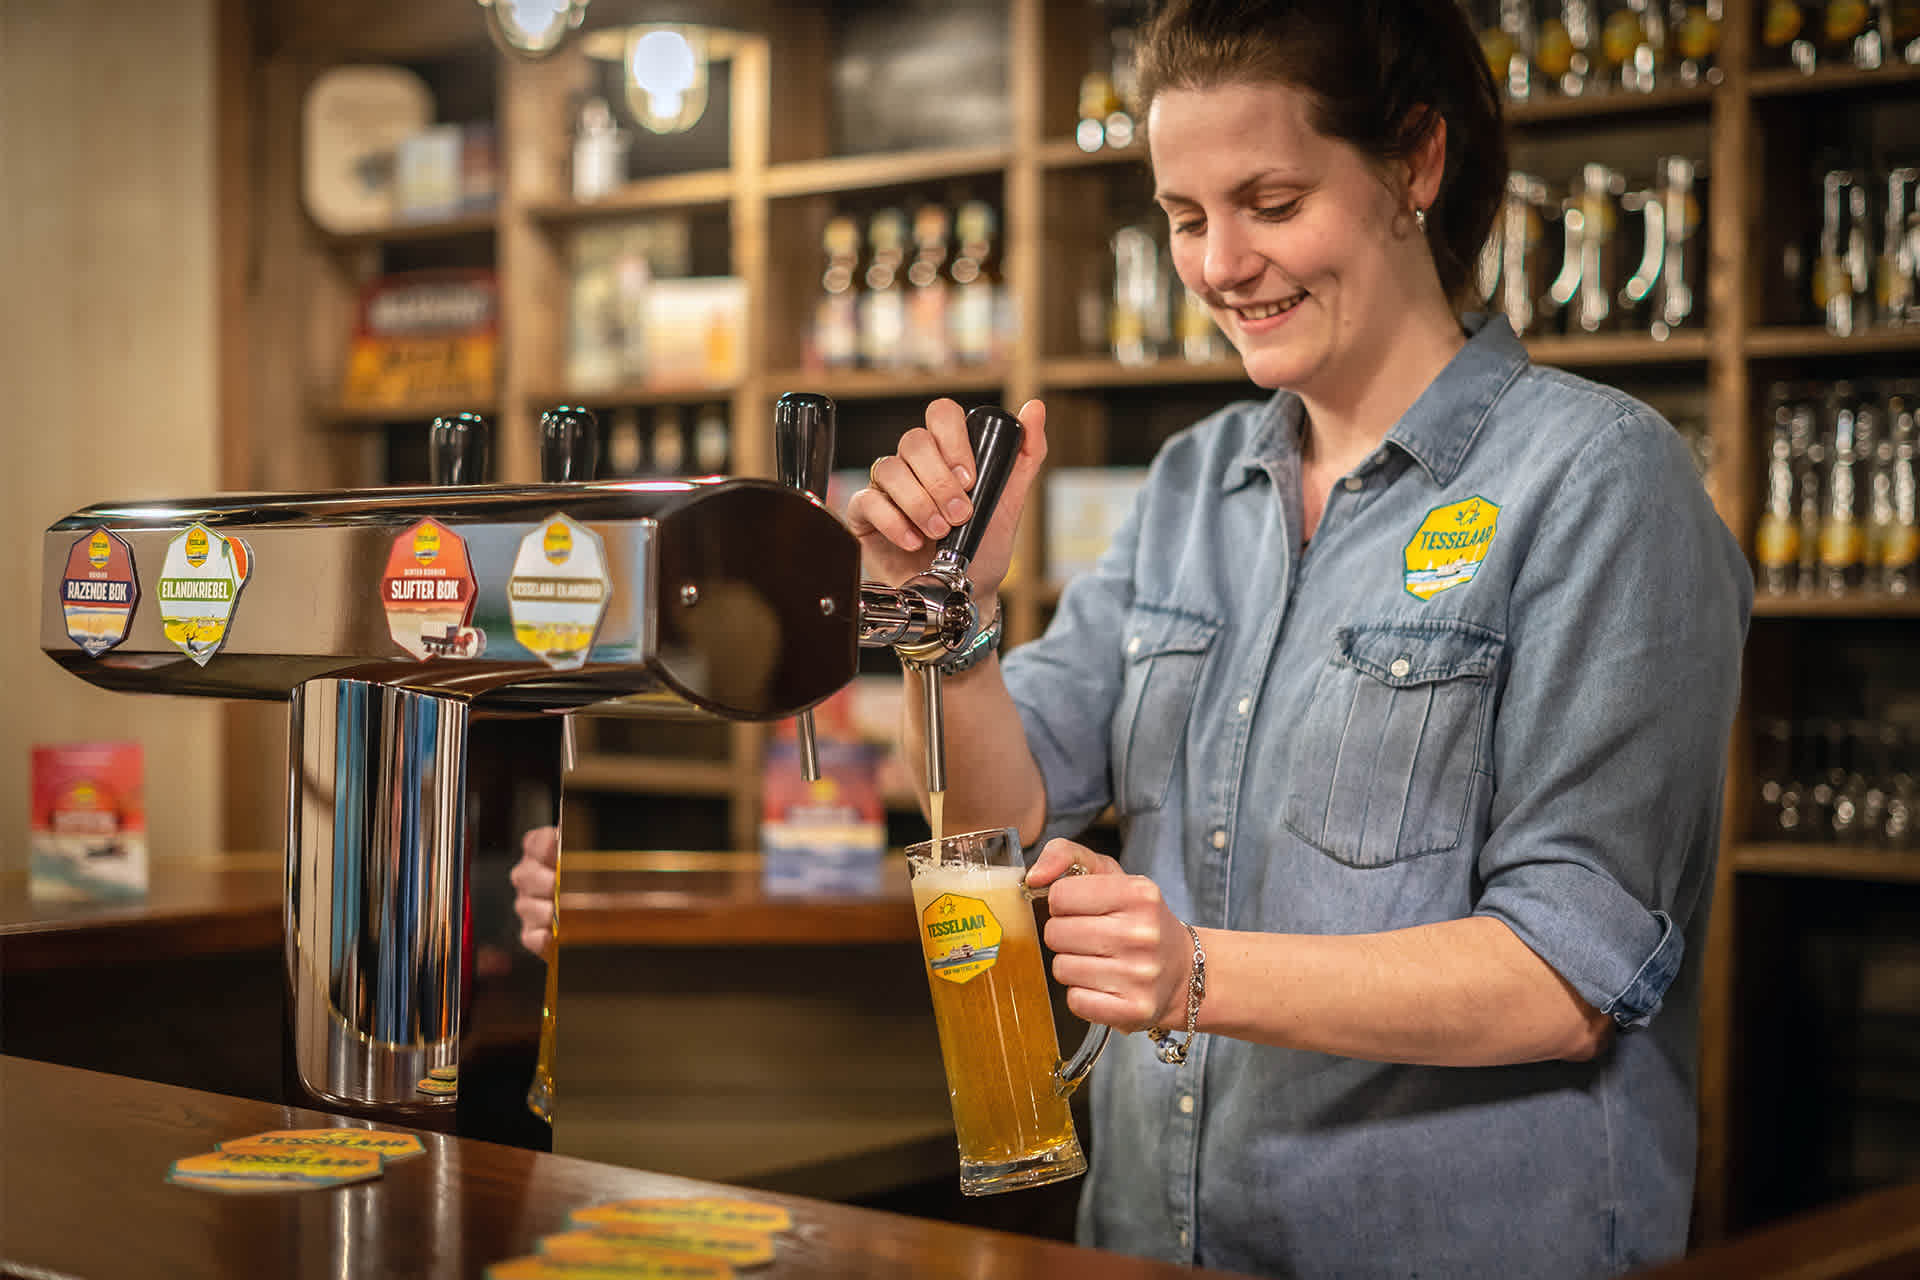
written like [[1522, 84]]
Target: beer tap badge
[[99, 591], [200, 583], [559, 591], [428, 593], [962, 937]]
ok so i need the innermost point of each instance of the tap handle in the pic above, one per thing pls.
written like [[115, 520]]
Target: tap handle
[[803, 426], [569, 444], [996, 436], [457, 449]]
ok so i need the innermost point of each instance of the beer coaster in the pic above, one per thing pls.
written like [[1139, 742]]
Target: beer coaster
[[704, 1211], [444, 1073], [383, 1143], [294, 1169], [663, 1267], [437, 1087], [741, 1246]]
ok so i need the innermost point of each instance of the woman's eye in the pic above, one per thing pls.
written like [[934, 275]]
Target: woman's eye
[[1277, 212], [1188, 226]]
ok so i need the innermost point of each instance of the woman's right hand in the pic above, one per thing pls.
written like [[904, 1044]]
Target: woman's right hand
[[916, 494], [534, 878]]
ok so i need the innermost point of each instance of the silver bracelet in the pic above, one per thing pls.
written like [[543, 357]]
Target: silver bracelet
[[1174, 1052], [974, 651]]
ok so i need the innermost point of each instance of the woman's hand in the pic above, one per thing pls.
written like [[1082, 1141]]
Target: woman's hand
[[1121, 954], [921, 491], [533, 880]]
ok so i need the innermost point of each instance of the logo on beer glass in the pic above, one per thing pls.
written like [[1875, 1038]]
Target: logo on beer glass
[[962, 937]]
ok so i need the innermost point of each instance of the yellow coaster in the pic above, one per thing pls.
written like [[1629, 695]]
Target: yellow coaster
[[382, 1142], [540, 1267], [438, 1088], [294, 1169], [444, 1073], [705, 1211], [741, 1246]]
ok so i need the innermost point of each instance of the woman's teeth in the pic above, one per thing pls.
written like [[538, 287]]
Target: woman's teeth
[[1267, 311]]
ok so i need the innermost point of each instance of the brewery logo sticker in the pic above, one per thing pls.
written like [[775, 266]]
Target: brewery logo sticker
[[559, 591], [661, 1267], [438, 1086], [428, 593], [99, 591], [200, 582], [383, 1143], [961, 937], [295, 1169], [706, 1211], [740, 1246], [1447, 548], [606, 1250]]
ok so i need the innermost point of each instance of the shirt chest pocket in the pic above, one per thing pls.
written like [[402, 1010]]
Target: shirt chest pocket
[[1383, 763], [1165, 651]]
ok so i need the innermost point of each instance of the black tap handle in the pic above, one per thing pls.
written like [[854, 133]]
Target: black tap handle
[[457, 449], [569, 444], [996, 436], [803, 425]]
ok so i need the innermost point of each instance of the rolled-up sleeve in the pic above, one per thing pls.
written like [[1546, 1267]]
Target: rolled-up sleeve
[[1067, 683], [1624, 641]]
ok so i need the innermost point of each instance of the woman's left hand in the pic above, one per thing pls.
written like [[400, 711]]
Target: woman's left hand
[[1121, 954]]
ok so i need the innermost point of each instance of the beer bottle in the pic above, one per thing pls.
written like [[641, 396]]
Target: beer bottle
[[1695, 32], [668, 446], [1811, 481], [1900, 539], [1842, 279], [1842, 538], [710, 440], [1098, 100], [836, 317], [1898, 287], [1777, 540], [883, 307], [928, 296], [975, 311]]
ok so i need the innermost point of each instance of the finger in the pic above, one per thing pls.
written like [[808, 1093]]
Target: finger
[[1101, 934], [871, 511], [534, 913], [894, 476], [532, 878], [947, 424], [1033, 452], [535, 940], [1122, 1013], [1055, 860], [936, 474], [542, 844], [1128, 979]]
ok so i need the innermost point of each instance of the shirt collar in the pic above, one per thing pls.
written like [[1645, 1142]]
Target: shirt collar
[[1438, 430]]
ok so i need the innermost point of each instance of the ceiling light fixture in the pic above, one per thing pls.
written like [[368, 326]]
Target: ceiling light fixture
[[532, 28]]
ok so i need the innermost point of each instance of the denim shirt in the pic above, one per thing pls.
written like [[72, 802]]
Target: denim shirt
[[1498, 681]]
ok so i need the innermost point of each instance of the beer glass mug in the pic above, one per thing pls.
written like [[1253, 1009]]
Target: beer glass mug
[[1004, 1074]]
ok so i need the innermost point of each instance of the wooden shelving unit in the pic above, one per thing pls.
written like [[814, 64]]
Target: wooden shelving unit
[[774, 191], [469, 226], [1828, 862]]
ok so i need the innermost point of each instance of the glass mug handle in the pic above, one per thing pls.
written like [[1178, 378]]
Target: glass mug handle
[[1067, 1075]]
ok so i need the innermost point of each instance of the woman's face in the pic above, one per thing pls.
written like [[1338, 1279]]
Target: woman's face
[[1300, 249]]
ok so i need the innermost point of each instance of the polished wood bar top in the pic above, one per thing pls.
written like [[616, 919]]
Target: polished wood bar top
[[235, 902], [83, 1192], [1873, 1237]]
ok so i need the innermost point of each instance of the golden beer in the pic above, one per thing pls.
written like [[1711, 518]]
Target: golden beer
[[994, 1015]]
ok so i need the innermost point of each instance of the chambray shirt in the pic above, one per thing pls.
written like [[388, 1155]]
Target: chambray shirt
[[1499, 680]]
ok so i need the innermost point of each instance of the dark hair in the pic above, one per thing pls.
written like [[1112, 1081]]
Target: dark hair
[[1368, 66]]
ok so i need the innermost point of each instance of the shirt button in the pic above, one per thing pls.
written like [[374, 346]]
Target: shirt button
[[1400, 667], [1186, 1104], [1183, 1237], [1243, 706], [1353, 483], [1133, 645], [1380, 458], [1219, 838]]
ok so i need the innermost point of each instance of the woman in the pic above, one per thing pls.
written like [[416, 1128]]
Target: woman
[[1411, 687]]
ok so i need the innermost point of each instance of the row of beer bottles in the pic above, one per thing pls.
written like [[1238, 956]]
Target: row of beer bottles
[[670, 440], [1830, 780]]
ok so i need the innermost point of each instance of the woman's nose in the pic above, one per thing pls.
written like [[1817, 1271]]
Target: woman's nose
[[1229, 261]]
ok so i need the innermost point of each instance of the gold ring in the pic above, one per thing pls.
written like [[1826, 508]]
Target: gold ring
[[873, 479]]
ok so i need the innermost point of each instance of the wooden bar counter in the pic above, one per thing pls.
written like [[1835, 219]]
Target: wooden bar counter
[[83, 1193]]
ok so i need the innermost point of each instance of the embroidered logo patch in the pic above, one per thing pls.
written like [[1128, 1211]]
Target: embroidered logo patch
[[1447, 548]]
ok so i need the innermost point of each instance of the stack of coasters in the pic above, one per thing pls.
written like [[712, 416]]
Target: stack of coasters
[[665, 1238], [294, 1160]]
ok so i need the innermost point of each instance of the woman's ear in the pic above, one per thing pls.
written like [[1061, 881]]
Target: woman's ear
[[1426, 163]]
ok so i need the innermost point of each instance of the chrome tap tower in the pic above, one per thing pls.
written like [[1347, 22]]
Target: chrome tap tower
[[416, 631]]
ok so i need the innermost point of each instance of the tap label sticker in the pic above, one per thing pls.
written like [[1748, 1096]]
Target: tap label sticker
[[428, 593], [200, 583], [559, 591], [384, 1143], [291, 1170], [704, 1211], [99, 591], [1446, 550], [961, 937]]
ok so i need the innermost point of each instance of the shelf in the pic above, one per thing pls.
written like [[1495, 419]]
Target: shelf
[[336, 414], [892, 169], [651, 774], [471, 226], [1833, 862], [1065, 153], [871, 384], [1598, 108], [1077, 373], [1809, 340], [629, 393], [1604, 350], [1785, 82], [648, 195], [1858, 604]]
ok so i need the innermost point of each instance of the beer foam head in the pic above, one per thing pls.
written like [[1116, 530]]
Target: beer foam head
[[955, 877]]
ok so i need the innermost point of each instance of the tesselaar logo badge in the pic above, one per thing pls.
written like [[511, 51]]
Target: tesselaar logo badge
[[1446, 550], [98, 592], [559, 591], [200, 582], [428, 594]]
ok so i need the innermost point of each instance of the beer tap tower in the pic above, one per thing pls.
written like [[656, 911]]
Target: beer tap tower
[[422, 635]]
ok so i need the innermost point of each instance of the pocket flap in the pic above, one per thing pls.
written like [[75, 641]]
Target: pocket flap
[[1407, 654], [1153, 630]]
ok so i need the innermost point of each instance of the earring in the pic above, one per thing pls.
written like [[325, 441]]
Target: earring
[[1420, 216]]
